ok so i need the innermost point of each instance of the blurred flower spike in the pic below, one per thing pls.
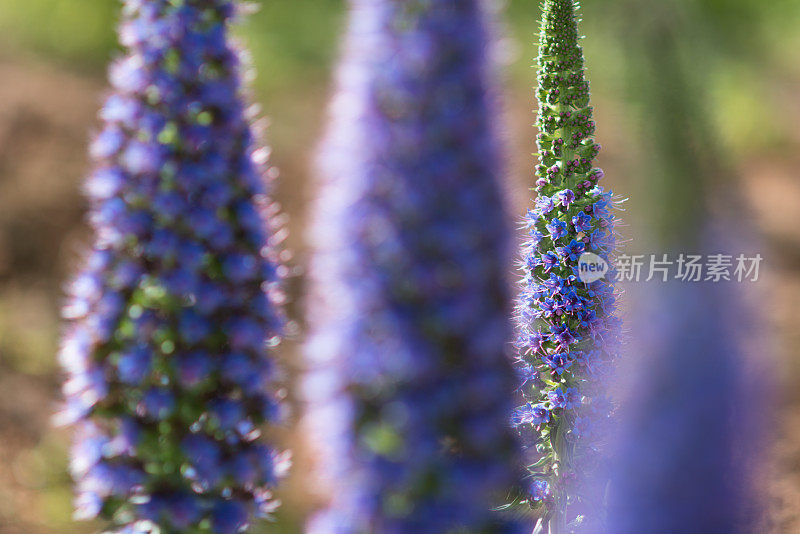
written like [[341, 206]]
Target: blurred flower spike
[[409, 380], [170, 323]]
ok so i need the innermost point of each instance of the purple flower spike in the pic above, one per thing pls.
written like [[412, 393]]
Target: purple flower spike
[[409, 385], [182, 258], [679, 449], [577, 315]]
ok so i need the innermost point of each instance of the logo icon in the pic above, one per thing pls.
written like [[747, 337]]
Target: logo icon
[[591, 267]]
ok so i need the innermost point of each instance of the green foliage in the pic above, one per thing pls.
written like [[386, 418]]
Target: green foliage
[[80, 32], [293, 41]]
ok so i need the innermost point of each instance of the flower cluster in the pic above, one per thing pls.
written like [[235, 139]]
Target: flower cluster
[[409, 380], [169, 325], [565, 326]]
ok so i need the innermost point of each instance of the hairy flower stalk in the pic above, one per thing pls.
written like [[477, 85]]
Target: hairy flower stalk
[[408, 383], [566, 326], [166, 346]]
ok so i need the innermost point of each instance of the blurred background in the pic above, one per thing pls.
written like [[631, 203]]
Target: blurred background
[[695, 100]]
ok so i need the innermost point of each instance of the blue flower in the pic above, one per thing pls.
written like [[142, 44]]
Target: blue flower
[[229, 517], [540, 490], [530, 414], [134, 365], [88, 505], [555, 284], [572, 251], [550, 260], [532, 262], [544, 205], [559, 362], [548, 307], [564, 335], [565, 197], [558, 398], [157, 404], [557, 229], [597, 239], [141, 158], [535, 340], [104, 184], [573, 302], [540, 414], [532, 218], [227, 413], [182, 510], [582, 223]]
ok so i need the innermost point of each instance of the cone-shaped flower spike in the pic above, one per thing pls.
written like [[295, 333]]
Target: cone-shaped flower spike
[[565, 314], [169, 324], [408, 389]]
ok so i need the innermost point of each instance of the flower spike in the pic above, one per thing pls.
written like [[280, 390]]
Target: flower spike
[[565, 320], [169, 324], [409, 380]]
